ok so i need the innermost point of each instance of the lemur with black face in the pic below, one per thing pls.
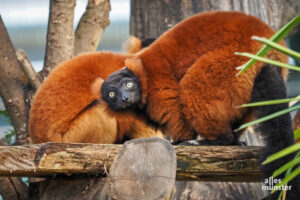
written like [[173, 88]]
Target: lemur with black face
[[67, 107], [185, 82]]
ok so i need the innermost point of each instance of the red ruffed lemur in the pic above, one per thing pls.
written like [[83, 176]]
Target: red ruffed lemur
[[185, 82], [66, 108]]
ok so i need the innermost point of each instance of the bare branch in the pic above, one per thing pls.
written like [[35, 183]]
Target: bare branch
[[28, 69], [91, 26], [13, 188], [60, 36], [13, 86]]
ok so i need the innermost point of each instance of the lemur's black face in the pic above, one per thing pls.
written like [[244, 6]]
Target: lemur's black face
[[122, 90]]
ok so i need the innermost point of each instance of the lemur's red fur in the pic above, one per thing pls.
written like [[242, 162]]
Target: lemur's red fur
[[65, 108], [188, 74]]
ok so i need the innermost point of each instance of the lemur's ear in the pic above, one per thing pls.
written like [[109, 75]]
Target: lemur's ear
[[96, 87], [132, 45], [136, 66]]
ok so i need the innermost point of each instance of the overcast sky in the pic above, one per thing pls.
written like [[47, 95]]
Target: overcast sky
[[35, 12]]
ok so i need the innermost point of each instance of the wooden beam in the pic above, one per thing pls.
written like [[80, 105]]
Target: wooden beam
[[222, 163]]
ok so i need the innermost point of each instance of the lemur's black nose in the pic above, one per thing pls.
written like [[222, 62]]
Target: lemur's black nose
[[125, 98]]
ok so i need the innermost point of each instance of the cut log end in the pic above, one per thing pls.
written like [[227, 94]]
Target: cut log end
[[144, 169]]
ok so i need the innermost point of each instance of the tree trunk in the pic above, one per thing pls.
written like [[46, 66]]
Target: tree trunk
[[149, 19]]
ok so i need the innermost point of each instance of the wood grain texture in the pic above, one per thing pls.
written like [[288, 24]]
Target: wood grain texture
[[144, 169], [220, 163]]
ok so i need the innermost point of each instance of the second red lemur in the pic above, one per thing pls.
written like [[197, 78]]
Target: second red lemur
[[185, 82]]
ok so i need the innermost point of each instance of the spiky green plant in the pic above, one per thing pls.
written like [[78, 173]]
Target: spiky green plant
[[269, 44]]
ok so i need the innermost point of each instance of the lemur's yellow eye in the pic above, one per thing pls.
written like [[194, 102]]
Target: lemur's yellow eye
[[111, 94], [129, 84]]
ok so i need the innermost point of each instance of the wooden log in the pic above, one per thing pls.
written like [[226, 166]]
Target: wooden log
[[218, 163], [144, 169], [222, 163]]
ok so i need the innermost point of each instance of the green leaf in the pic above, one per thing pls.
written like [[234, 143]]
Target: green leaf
[[295, 173], [271, 102], [282, 112], [297, 133], [282, 153], [269, 61], [288, 172], [4, 112], [287, 166], [278, 47], [275, 38]]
